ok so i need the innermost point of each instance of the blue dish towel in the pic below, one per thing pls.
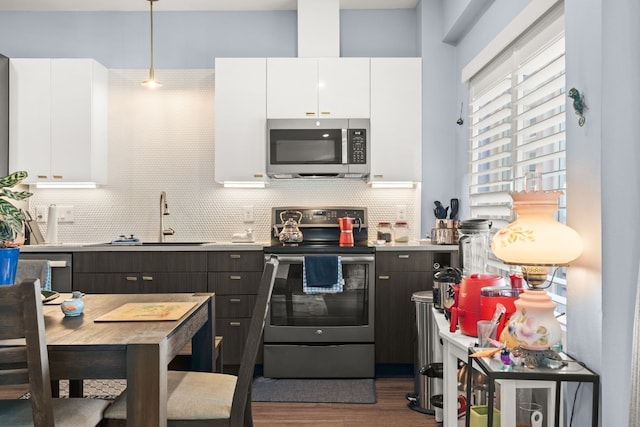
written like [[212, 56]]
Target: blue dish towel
[[34, 269], [322, 274]]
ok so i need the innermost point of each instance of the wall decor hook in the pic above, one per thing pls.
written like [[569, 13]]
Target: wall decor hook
[[579, 105], [460, 121]]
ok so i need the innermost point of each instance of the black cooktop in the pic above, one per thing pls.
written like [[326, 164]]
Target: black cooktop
[[321, 232], [319, 249]]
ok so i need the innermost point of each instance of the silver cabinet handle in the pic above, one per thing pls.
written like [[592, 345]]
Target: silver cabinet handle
[[403, 256], [235, 256], [383, 277], [131, 278], [233, 277], [234, 300], [234, 324], [147, 278]]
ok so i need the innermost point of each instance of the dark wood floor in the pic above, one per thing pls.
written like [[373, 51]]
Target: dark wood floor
[[389, 411]]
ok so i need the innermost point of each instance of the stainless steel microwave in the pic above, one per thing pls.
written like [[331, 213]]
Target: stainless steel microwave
[[318, 148]]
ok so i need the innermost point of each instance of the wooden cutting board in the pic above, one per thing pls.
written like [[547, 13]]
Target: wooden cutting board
[[147, 311]]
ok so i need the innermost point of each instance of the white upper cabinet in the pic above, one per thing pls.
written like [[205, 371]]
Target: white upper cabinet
[[396, 119], [240, 119], [58, 126], [317, 88]]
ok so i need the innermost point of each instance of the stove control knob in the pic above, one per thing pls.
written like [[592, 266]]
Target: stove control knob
[[319, 332]]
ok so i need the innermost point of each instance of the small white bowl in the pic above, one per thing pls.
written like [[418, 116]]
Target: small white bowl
[[381, 242]]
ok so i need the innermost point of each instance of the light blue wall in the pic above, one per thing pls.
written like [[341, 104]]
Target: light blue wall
[[184, 40], [378, 33], [440, 110]]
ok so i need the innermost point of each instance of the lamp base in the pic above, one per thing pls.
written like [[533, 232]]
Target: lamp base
[[534, 325]]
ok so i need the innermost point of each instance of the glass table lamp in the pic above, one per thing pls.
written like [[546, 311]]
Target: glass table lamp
[[536, 241]]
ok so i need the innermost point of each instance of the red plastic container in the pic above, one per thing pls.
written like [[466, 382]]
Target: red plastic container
[[489, 299], [467, 313]]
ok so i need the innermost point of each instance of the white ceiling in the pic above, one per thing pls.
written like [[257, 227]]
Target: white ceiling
[[187, 5]]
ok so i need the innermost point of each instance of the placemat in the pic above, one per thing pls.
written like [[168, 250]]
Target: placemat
[[147, 311]]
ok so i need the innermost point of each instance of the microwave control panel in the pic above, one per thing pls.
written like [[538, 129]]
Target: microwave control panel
[[357, 146]]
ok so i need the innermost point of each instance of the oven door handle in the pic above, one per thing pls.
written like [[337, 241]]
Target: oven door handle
[[346, 259]]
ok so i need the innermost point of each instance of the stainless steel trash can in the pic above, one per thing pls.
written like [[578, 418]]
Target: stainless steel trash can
[[428, 352]]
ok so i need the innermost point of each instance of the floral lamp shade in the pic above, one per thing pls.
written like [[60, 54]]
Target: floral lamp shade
[[535, 237]]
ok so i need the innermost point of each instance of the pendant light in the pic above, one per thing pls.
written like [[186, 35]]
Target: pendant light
[[151, 83]]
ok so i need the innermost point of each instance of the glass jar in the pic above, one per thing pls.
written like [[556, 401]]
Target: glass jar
[[384, 231], [401, 232], [473, 245]]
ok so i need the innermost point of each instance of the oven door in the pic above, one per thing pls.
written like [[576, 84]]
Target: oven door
[[298, 317]]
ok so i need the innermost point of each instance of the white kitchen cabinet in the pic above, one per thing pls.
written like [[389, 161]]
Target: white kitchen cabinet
[[58, 126], [318, 88], [396, 119], [240, 120]]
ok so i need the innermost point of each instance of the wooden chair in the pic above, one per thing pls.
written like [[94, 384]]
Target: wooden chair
[[213, 399], [24, 360]]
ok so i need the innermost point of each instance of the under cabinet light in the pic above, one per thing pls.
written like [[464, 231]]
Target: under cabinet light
[[66, 185], [392, 184], [244, 184]]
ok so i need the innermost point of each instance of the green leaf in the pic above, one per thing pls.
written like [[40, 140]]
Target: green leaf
[[13, 179], [16, 195]]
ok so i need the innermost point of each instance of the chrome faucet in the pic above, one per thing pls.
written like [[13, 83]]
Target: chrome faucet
[[164, 210]]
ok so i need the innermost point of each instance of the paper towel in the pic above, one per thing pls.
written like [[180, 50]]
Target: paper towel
[[52, 225]]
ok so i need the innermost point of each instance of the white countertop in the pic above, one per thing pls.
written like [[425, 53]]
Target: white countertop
[[101, 247], [211, 246]]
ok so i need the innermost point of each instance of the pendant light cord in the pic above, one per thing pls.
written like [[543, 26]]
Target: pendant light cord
[[151, 82], [151, 72]]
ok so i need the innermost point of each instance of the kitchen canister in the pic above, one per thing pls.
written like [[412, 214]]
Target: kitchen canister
[[384, 231], [401, 232]]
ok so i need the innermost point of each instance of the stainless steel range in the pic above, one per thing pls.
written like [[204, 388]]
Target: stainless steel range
[[322, 331]]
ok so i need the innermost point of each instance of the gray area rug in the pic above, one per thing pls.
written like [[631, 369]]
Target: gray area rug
[[101, 389], [314, 390]]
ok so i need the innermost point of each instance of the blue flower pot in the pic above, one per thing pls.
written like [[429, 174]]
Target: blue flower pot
[[8, 265]]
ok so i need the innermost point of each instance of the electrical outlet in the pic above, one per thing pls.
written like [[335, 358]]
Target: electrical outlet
[[41, 214], [401, 212], [65, 213], [248, 214]]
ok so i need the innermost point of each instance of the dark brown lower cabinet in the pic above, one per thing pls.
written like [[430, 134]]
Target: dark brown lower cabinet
[[139, 272], [398, 275], [234, 277]]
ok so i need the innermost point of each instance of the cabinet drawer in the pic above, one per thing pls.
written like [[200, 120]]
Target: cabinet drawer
[[106, 262], [234, 331], [127, 261], [235, 305], [404, 261], [139, 283], [235, 261], [234, 283], [173, 261]]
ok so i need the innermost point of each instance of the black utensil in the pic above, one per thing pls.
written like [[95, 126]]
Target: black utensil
[[455, 205], [439, 211]]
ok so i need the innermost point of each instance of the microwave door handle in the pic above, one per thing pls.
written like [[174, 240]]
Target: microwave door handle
[[344, 147]]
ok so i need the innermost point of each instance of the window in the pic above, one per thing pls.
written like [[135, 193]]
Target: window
[[517, 125]]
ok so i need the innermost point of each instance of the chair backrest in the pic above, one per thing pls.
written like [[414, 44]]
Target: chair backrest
[[242, 394], [24, 359]]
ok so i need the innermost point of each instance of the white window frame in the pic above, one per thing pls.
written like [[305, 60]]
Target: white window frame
[[517, 124]]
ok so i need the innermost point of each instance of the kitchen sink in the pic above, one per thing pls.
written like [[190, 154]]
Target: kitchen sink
[[154, 244], [174, 243]]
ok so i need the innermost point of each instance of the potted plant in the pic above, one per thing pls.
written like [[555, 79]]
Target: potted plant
[[11, 225]]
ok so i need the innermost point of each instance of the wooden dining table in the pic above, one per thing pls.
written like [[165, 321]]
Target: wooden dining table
[[136, 350]]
